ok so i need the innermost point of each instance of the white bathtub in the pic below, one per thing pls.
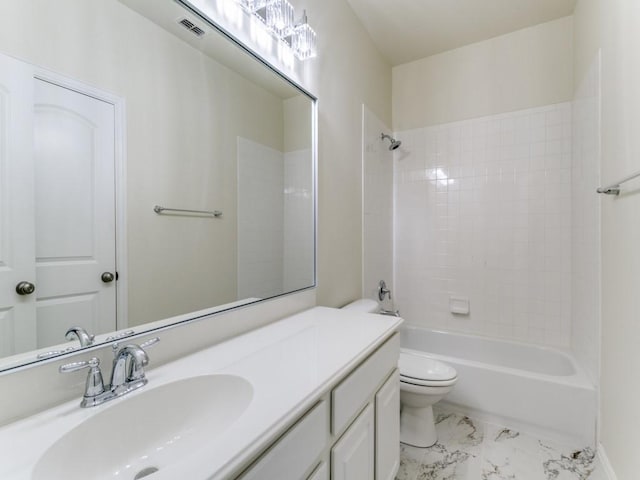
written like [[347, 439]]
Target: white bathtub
[[539, 387]]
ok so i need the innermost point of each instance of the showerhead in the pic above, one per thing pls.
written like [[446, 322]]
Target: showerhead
[[394, 143]]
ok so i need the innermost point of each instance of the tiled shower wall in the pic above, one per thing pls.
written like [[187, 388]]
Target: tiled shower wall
[[585, 278], [260, 220], [299, 221], [483, 211], [275, 220]]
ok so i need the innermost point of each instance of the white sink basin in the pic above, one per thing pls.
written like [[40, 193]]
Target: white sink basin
[[140, 435]]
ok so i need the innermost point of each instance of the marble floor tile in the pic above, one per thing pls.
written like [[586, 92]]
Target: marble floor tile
[[410, 461], [468, 449]]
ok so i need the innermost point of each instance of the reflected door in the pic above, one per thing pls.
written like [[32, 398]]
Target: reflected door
[[17, 250], [74, 136]]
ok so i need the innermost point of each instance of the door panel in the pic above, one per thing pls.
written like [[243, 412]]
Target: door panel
[[17, 251], [74, 212], [65, 186], [352, 457], [54, 314]]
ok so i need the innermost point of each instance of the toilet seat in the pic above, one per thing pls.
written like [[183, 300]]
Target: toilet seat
[[424, 371]]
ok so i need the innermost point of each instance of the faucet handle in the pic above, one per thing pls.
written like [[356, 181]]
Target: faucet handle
[[149, 343], [115, 347], [75, 366], [383, 290], [95, 384]]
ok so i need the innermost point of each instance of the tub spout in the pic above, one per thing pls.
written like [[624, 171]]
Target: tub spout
[[391, 313]]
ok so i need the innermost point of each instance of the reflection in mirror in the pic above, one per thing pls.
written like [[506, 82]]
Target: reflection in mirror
[[107, 112]]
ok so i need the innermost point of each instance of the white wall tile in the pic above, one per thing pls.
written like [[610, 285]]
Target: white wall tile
[[299, 245], [487, 215], [260, 209]]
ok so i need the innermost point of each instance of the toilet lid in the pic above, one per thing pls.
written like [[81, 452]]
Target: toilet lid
[[421, 368]]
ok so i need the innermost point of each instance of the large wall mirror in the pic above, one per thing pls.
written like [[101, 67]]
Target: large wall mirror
[[147, 175]]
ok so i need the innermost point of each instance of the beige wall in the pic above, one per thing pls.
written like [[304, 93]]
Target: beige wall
[[297, 126], [528, 68], [347, 73], [613, 25], [181, 140], [587, 37]]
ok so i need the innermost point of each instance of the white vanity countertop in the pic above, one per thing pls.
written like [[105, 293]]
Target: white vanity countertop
[[290, 365]]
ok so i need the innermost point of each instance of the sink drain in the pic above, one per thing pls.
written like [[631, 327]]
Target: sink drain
[[145, 472]]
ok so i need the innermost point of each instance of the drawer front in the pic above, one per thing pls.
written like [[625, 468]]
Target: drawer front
[[297, 451], [348, 398]]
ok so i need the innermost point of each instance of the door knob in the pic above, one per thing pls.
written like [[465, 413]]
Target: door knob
[[25, 288], [108, 277]]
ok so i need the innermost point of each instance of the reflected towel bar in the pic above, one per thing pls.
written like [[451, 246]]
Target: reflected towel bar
[[216, 213], [614, 188]]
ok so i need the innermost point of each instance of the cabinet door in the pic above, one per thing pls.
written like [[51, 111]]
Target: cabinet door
[[352, 457], [388, 428], [320, 473]]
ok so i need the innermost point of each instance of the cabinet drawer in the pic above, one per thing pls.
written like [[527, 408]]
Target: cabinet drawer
[[293, 455], [348, 398]]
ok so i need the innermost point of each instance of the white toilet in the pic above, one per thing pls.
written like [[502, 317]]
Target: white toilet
[[423, 382]]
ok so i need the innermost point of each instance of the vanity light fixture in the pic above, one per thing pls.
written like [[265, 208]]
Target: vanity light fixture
[[278, 17], [303, 39]]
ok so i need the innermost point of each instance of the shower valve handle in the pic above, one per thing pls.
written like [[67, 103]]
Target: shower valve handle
[[383, 290]]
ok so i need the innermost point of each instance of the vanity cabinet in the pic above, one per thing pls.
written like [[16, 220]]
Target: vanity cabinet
[[370, 448], [353, 433]]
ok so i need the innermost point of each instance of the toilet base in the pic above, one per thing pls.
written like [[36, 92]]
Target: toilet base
[[417, 426]]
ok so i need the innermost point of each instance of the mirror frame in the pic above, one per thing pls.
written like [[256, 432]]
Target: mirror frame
[[29, 359]]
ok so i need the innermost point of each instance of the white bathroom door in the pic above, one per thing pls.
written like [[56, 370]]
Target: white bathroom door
[[17, 312], [74, 152]]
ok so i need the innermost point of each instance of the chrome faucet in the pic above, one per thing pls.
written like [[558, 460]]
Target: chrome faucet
[[86, 340], [128, 366], [127, 374]]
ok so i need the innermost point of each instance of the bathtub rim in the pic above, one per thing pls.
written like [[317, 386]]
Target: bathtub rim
[[578, 379]]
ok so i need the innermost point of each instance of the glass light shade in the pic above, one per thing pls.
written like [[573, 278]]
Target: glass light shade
[[246, 4], [258, 4], [303, 41], [280, 17], [255, 6]]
